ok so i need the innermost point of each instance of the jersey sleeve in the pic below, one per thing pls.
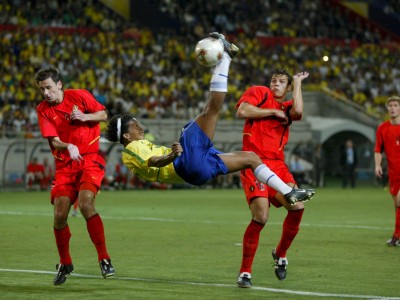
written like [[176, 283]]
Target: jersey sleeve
[[90, 103], [379, 140], [254, 95], [47, 128], [135, 157]]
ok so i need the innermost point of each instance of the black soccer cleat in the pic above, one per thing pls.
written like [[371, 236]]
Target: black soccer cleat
[[107, 270], [62, 272], [244, 280], [230, 48], [299, 195], [393, 242], [280, 266]]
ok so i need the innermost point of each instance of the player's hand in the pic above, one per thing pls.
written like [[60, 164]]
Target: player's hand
[[378, 172], [281, 115], [176, 149], [300, 76], [78, 115], [74, 152]]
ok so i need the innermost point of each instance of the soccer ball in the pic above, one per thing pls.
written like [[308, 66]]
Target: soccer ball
[[208, 52]]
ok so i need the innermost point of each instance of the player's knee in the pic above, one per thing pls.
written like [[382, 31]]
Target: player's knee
[[260, 214], [60, 219], [261, 217], [253, 159]]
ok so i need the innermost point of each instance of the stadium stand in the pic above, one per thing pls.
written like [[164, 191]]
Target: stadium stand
[[133, 65]]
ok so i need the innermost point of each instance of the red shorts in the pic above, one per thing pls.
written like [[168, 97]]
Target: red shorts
[[86, 174], [254, 189], [394, 186]]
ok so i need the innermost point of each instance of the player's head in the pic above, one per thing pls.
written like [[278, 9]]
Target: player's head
[[50, 84], [392, 99], [124, 128], [393, 106], [280, 82]]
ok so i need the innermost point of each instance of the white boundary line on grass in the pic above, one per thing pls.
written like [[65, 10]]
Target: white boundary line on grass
[[273, 290], [18, 213]]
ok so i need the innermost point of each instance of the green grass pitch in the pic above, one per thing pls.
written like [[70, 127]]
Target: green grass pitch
[[186, 244]]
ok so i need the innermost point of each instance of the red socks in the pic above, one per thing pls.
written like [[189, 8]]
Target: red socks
[[62, 240], [291, 227], [96, 231], [250, 244], [397, 224]]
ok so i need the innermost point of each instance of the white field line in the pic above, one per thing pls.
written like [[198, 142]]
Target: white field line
[[350, 226], [272, 290]]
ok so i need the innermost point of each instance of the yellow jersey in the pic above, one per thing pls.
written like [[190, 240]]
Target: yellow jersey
[[136, 155]]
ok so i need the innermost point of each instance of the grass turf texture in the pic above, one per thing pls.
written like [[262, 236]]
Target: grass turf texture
[[186, 244]]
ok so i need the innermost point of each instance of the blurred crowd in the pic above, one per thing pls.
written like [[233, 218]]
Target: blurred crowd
[[128, 67]]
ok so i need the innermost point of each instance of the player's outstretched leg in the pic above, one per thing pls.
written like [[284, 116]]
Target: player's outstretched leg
[[230, 48], [207, 120]]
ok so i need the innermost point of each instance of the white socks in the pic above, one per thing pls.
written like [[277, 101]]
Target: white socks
[[265, 175], [219, 79]]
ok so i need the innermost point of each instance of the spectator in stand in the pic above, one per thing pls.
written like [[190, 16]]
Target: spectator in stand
[[34, 174]]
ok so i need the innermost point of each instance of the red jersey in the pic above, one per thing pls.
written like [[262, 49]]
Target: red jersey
[[388, 141], [267, 137], [35, 168], [55, 121]]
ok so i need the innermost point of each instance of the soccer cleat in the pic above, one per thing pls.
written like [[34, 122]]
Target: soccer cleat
[[299, 195], [393, 242], [280, 266], [62, 272], [107, 270], [310, 193], [244, 280], [230, 48]]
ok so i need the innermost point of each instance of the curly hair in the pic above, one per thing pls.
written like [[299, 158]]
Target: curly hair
[[111, 132], [281, 71]]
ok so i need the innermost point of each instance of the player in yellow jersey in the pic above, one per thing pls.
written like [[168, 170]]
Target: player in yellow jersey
[[194, 159]]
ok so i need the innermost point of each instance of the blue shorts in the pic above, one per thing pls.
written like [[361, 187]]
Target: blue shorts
[[199, 161]]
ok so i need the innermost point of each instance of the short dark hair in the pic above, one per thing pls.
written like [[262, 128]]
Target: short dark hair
[[280, 71], [111, 132], [48, 72]]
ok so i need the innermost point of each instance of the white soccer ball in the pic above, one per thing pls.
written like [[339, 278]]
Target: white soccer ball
[[209, 51]]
